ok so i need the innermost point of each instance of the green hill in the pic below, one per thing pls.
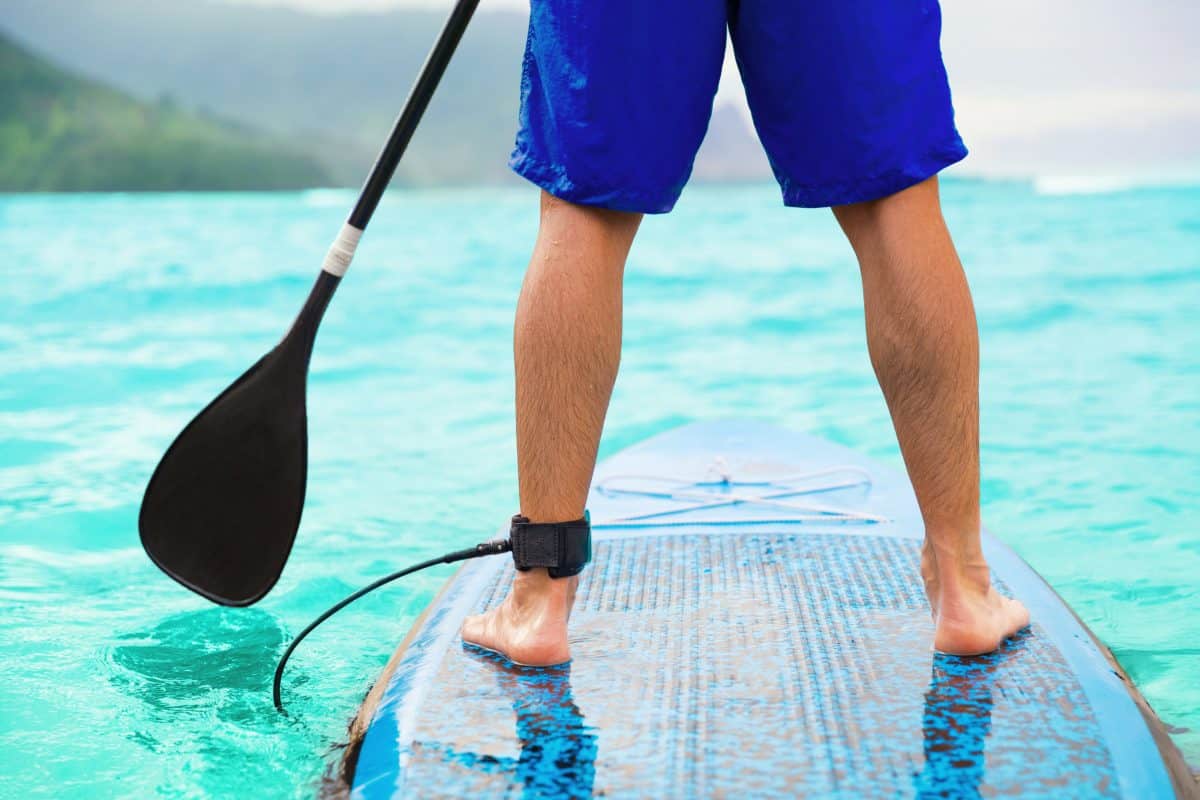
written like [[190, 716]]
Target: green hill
[[59, 132], [331, 83]]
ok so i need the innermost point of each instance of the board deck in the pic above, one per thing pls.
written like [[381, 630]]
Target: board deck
[[753, 624]]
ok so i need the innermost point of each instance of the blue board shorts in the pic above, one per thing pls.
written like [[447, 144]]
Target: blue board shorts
[[849, 97]]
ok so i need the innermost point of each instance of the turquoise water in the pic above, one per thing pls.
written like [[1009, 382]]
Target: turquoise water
[[123, 315]]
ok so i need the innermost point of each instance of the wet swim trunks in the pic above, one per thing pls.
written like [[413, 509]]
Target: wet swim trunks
[[849, 97]]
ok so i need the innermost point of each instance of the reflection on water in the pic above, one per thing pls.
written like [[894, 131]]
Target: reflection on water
[[558, 750], [200, 686], [202, 662], [958, 720]]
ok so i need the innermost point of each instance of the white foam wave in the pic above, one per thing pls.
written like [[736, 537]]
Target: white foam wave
[[1107, 184], [88, 558], [324, 198]]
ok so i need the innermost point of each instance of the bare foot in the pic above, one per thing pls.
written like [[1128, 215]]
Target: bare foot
[[970, 616], [530, 626]]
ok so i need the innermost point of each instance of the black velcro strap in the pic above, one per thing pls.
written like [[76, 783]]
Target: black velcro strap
[[564, 548]]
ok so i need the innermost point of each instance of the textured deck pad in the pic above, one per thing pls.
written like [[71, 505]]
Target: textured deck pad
[[753, 625], [759, 663]]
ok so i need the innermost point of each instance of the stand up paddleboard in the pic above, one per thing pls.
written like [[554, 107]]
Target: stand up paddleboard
[[753, 624]]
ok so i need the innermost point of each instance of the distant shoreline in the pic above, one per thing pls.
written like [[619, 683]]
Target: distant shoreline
[[1041, 184]]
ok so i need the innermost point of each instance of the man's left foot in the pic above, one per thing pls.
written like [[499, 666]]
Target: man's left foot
[[530, 626], [970, 617]]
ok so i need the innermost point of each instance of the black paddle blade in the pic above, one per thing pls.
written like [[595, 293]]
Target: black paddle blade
[[222, 508]]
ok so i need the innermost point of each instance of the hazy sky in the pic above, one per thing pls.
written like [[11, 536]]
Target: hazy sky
[[1097, 86]]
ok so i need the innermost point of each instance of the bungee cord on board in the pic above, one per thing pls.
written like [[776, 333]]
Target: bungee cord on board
[[707, 494]]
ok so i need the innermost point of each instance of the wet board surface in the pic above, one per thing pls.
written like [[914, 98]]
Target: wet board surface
[[753, 624]]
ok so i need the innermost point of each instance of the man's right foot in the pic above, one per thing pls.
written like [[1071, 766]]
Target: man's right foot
[[529, 627], [970, 616]]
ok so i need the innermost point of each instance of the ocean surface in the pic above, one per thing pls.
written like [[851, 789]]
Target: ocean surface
[[122, 315]]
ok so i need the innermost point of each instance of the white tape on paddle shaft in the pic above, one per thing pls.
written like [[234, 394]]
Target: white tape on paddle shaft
[[341, 252]]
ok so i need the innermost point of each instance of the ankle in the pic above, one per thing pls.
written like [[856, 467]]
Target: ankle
[[537, 583], [957, 567]]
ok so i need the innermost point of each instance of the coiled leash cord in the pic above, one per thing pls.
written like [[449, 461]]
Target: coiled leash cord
[[563, 548], [479, 550]]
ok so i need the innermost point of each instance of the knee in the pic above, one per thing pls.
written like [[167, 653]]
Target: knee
[[888, 221], [560, 216]]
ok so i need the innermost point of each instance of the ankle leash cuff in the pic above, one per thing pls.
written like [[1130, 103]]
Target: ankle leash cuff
[[564, 548]]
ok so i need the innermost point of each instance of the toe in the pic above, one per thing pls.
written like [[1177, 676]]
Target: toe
[[1018, 616]]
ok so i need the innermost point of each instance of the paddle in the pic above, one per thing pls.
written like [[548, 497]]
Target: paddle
[[222, 508]]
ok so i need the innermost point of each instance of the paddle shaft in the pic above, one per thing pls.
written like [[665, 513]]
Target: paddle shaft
[[342, 251]]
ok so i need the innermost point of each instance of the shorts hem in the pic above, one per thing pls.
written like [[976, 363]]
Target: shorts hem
[[554, 179], [825, 195]]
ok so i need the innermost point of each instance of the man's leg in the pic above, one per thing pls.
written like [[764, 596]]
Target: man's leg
[[924, 345], [567, 346]]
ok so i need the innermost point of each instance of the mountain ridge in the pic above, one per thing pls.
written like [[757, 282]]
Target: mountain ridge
[[63, 132], [330, 82]]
